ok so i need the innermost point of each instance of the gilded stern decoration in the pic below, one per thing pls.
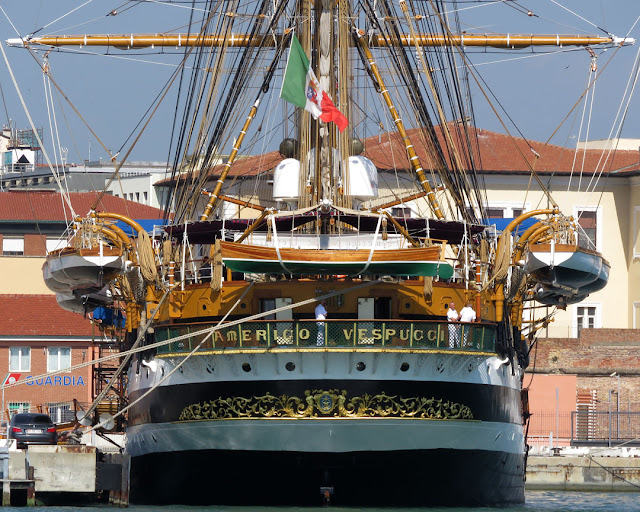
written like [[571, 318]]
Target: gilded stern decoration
[[326, 404]]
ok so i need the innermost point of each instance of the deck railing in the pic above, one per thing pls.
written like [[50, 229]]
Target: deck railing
[[332, 333]]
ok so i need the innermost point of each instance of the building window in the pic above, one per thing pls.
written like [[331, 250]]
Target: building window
[[589, 220], [146, 197], [636, 232], [61, 413], [587, 317], [54, 244], [494, 213], [18, 407], [401, 212], [59, 358], [12, 246], [19, 359], [636, 315], [138, 197], [500, 210]]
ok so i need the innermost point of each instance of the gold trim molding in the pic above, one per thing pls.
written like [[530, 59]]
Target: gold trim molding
[[326, 404]]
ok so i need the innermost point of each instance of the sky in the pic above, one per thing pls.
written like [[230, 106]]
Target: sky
[[534, 92]]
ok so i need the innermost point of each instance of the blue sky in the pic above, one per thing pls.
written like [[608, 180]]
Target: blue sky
[[112, 92]]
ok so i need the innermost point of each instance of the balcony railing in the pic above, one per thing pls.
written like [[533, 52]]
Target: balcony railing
[[331, 333]]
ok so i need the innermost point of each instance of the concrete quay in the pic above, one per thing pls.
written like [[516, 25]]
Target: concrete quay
[[585, 469], [62, 474]]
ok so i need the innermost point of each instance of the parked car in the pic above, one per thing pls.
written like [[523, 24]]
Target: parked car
[[32, 428]]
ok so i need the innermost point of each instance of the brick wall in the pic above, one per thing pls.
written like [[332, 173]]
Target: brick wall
[[63, 387], [35, 245], [593, 357]]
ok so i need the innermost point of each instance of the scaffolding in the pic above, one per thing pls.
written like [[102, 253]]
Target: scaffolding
[[108, 339]]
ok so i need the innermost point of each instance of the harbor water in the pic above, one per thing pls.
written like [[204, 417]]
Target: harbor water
[[536, 501]]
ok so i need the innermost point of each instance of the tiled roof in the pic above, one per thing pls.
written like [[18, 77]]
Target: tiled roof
[[498, 153], [44, 205], [39, 315], [242, 167], [503, 153]]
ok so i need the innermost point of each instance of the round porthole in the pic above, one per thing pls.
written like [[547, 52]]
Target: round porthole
[[360, 366], [243, 305], [290, 366], [404, 367], [246, 367]]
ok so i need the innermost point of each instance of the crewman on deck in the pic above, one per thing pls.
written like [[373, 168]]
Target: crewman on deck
[[454, 329], [321, 314]]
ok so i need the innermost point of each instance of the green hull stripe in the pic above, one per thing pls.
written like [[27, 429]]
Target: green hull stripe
[[426, 268]]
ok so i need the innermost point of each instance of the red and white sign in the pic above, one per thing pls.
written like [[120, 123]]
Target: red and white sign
[[11, 378]]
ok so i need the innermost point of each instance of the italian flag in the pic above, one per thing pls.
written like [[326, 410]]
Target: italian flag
[[301, 87]]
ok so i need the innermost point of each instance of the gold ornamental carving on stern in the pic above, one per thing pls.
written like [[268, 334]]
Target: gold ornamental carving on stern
[[326, 404]]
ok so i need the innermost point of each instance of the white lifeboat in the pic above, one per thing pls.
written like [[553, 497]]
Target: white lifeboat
[[84, 303], [69, 269]]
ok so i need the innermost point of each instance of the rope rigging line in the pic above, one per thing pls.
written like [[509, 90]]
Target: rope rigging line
[[64, 192], [193, 334], [31, 123], [580, 17], [182, 197], [209, 333], [159, 101], [228, 113], [590, 77], [477, 78], [61, 17]]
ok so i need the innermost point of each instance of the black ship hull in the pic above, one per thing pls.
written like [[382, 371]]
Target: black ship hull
[[447, 432], [422, 478]]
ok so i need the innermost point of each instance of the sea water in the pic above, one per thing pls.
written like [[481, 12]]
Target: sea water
[[537, 501]]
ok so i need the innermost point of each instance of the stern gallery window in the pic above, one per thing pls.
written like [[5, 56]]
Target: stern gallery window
[[58, 358]]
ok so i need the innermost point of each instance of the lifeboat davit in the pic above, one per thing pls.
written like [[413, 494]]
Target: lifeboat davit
[[69, 270]]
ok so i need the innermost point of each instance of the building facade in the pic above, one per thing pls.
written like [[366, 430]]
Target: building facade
[[46, 351]]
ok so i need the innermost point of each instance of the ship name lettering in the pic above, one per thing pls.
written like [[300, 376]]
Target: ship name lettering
[[362, 334], [232, 336], [261, 335], [287, 334], [388, 333], [246, 334], [404, 334], [418, 335], [347, 333], [431, 334], [304, 334], [217, 336], [376, 333]]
